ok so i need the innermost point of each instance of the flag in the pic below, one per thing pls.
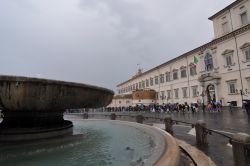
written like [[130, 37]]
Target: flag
[[196, 60]]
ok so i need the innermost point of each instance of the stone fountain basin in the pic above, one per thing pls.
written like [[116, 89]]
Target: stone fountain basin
[[33, 107], [35, 94]]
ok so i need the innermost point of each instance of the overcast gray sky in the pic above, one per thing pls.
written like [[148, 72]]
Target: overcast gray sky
[[99, 42]]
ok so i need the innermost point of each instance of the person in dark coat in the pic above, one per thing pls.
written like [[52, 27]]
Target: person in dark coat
[[247, 107]]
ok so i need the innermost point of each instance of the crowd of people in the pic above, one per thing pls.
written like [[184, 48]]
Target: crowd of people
[[169, 107]]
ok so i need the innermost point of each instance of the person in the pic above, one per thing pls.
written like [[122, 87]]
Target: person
[[230, 106], [193, 108], [214, 106], [186, 106], [247, 107], [1, 114], [196, 107], [210, 106]]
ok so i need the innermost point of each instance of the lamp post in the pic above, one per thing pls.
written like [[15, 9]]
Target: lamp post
[[242, 93]]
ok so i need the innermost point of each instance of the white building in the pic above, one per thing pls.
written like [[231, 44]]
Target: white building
[[223, 70]]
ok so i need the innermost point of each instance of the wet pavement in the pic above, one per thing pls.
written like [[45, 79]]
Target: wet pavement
[[218, 149], [227, 122]]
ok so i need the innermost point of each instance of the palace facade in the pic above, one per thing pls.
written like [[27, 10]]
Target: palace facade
[[218, 70]]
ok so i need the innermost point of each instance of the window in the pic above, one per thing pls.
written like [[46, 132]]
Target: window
[[184, 92], [161, 78], [136, 85], [232, 87], [157, 95], [151, 81], [167, 76], [228, 56], [183, 72], [143, 84], [156, 80], [248, 83], [169, 94], [147, 83], [247, 54], [176, 93], [228, 59], [208, 62], [175, 74], [225, 28], [140, 85], [246, 51], [192, 69], [243, 18], [162, 95], [195, 91]]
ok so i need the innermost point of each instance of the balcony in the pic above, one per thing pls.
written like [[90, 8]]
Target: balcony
[[208, 75]]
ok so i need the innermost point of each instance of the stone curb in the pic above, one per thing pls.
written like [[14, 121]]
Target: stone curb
[[197, 156]]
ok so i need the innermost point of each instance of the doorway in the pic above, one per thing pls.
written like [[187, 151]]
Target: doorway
[[211, 93]]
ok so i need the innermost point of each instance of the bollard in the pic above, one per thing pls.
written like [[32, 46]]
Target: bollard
[[113, 116], [139, 118], [201, 133], [169, 125], [85, 116], [241, 149]]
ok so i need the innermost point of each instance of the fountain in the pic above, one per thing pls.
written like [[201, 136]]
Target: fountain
[[33, 108], [34, 131]]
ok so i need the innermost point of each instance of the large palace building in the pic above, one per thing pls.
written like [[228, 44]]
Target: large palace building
[[218, 70]]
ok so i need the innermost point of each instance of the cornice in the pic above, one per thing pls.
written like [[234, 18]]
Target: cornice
[[225, 9], [246, 45], [227, 51]]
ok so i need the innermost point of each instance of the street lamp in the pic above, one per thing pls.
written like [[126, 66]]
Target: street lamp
[[242, 93]]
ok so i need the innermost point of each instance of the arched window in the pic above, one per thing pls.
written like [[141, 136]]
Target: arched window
[[208, 62]]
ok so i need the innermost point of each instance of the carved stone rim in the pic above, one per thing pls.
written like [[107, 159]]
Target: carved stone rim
[[21, 79]]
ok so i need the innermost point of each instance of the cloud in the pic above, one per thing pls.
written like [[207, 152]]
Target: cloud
[[99, 41]]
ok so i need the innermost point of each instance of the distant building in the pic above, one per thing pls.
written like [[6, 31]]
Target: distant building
[[218, 70]]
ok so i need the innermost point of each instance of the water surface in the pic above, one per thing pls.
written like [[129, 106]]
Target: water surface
[[103, 143]]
